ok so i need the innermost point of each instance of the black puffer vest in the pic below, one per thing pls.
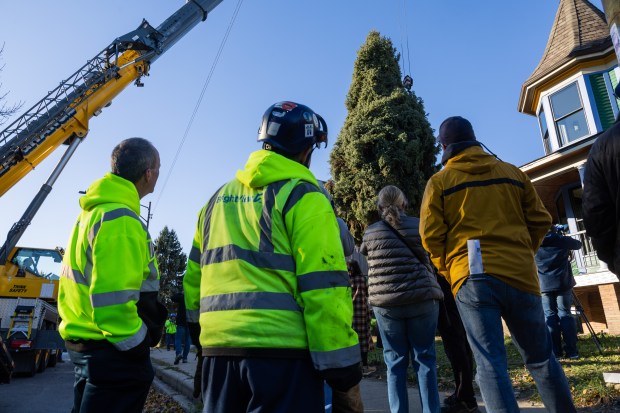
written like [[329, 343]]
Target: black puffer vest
[[395, 274]]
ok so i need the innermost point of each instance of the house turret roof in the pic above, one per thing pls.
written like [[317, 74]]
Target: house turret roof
[[579, 33]]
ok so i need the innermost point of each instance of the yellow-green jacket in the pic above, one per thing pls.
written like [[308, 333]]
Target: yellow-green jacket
[[171, 327], [109, 261], [477, 197], [266, 275]]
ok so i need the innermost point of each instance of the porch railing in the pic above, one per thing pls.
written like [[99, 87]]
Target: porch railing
[[584, 260]]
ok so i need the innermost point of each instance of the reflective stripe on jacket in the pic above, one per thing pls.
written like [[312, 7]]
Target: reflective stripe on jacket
[[477, 197], [267, 271], [109, 261]]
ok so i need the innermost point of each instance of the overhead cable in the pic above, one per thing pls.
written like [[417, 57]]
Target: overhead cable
[[202, 93]]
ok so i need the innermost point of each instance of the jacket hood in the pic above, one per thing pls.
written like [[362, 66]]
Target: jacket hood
[[265, 167], [111, 189], [454, 148], [473, 159]]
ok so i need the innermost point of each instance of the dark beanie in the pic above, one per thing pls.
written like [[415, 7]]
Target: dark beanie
[[455, 129]]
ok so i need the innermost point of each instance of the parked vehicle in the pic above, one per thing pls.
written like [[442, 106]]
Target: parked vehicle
[[29, 276]]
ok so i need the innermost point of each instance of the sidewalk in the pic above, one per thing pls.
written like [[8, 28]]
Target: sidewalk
[[178, 381]]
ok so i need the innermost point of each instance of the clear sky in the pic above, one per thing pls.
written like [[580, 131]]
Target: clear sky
[[466, 58]]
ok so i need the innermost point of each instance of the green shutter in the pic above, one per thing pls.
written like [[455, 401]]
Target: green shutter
[[614, 82], [601, 97]]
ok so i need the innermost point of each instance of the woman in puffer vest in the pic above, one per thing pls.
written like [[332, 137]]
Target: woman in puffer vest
[[405, 298]]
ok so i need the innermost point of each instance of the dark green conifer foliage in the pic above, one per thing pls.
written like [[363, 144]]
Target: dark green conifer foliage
[[172, 261], [386, 138]]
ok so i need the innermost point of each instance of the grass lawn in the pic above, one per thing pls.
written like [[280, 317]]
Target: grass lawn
[[585, 375]]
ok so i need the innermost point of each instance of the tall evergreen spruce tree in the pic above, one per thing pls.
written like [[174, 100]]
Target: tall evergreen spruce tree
[[172, 261], [386, 138]]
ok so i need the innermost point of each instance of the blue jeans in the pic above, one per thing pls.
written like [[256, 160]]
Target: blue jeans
[[560, 322], [482, 302], [328, 397], [182, 342], [410, 330]]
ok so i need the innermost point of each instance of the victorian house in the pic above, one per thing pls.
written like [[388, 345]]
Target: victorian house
[[571, 94]]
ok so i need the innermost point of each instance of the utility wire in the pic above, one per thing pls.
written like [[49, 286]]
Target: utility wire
[[202, 93]]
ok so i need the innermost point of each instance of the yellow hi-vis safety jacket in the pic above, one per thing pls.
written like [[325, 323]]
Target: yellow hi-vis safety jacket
[[477, 197], [171, 327], [109, 261], [266, 276]]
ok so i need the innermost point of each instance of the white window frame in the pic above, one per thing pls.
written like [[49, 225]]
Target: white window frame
[[545, 99]]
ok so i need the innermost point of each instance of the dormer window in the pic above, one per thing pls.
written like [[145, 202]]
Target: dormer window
[[568, 114]]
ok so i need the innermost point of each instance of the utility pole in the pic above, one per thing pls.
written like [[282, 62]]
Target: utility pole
[[612, 13], [148, 214]]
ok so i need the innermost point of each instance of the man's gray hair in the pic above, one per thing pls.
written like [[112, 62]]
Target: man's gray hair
[[132, 157]]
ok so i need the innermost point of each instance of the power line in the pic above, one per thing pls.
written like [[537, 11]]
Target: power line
[[202, 93]]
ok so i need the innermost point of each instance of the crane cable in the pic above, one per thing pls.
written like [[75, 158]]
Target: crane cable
[[403, 17], [202, 93], [407, 37]]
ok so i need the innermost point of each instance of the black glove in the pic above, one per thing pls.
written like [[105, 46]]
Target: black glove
[[140, 351], [343, 379], [198, 377], [153, 315], [194, 335]]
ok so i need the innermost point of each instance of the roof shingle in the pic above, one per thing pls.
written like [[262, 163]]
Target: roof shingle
[[579, 29]]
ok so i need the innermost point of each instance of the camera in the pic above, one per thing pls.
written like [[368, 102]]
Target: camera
[[560, 228]]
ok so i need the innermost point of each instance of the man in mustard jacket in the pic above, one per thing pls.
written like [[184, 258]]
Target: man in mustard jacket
[[267, 280], [108, 287], [482, 222]]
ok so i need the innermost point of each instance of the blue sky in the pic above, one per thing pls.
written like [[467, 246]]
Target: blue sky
[[466, 58]]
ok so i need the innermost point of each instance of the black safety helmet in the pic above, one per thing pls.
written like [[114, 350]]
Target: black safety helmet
[[290, 128]]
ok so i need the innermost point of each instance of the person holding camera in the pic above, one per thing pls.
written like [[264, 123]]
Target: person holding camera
[[556, 286]]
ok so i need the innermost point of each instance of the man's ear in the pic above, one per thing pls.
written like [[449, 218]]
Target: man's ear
[[148, 175]]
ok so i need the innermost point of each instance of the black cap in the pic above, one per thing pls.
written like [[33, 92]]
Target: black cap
[[617, 91], [455, 129]]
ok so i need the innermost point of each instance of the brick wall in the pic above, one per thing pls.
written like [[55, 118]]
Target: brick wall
[[601, 305], [592, 304], [611, 305]]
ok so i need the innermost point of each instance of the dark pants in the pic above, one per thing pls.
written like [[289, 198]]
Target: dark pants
[[170, 340], [560, 322], [107, 380], [235, 384], [455, 345], [182, 342]]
